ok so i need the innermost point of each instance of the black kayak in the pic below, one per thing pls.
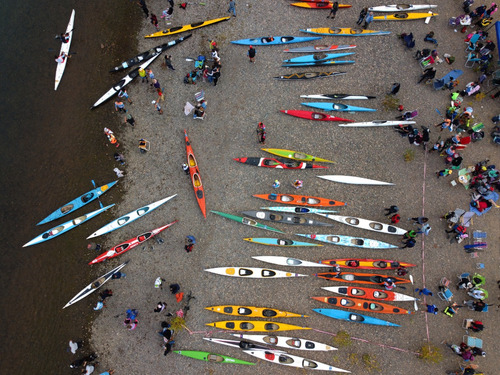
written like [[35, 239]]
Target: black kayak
[[310, 75]]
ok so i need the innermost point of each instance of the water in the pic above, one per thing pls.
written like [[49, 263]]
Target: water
[[51, 147]]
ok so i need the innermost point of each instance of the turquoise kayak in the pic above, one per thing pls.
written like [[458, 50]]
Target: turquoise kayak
[[274, 40], [338, 107], [334, 239], [352, 317], [278, 242], [77, 203], [321, 63], [317, 57]]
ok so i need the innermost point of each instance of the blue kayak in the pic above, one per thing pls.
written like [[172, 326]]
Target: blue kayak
[[278, 242], [76, 203], [317, 57], [356, 318], [338, 107], [274, 40], [321, 63]]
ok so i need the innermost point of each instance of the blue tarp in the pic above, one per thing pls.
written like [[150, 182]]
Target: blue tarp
[[497, 32], [491, 195]]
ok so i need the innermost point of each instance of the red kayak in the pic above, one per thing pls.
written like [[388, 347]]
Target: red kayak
[[363, 305], [367, 264], [309, 115], [360, 278], [369, 293], [194, 172], [130, 244], [275, 163]]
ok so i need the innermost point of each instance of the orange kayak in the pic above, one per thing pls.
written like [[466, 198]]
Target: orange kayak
[[360, 278], [194, 172], [300, 200], [363, 305], [367, 264]]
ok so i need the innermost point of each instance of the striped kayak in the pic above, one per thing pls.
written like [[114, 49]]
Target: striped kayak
[[252, 272], [369, 293], [65, 48], [355, 318], [367, 264], [363, 305], [317, 116], [253, 311], [79, 202], [130, 217], [297, 210], [344, 31], [295, 155], [194, 172], [320, 48], [377, 123], [246, 221], [403, 7], [320, 63], [318, 5], [310, 75], [275, 163], [274, 40], [211, 357], [354, 180], [130, 244], [286, 342], [337, 107], [334, 239], [287, 261], [279, 242], [240, 344], [284, 218], [360, 278], [300, 200], [67, 226], [94, 285], [181, 29], [317, 57], [366, 224], [404, 16], [254, 326], [338, 96]]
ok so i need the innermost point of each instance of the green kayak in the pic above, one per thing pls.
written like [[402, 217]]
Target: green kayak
[[211, 357], [247, 221]]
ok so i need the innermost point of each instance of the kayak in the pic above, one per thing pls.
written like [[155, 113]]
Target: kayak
[[369, 293], [287, 261], [310, 75], [181, 29], [67, 226], [253, 311], [300, 200], [115, 89], [338, 96], [344, 31], [130, 244], [252, 272], [194, 172], [211, 357], [146, 55], [278, 242], [367, 264], [320, 48], [317, 116], [356, 318], [404, 16], [337, 107], [360, 278], [366, 224], [246, 221], [319, 63], [65, 48], [274, 40], [295, 155], [354, 180], [77, 203], [317, 57], [396, 7], [363, 305], [318, 5], [275, 163], [377, 123], [297, 210], [287, 342], [94, 285], [284, 218], [254, 325], [290, 360], [130, 217], [334, 239], [240, 344]]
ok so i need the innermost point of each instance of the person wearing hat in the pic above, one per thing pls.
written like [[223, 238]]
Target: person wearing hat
[[297, 184], [276, 184], [389, 284], [157, 107], [251, 54]]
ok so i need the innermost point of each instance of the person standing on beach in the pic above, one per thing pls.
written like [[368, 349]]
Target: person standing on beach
[[368, 20], [334, 10], [124, 94], [145, 9], [391, 210], [232, 7], [362, 16], [142, 74], [216, 75], [154, 21], [167, 15], [129, 119], [185, 168], [251, 54], [157, 107], [119, 106], [168, 62]]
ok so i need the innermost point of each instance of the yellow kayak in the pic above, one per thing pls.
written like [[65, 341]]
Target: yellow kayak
[[403, 16], [252, 311], [344, 31], [295, 155], [181, 29], [254, 326]]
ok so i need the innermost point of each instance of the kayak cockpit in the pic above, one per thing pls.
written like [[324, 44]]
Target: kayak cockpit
[[268, 273], [285, 359], [67, 208], [245, 272], [285, 242], [142, 211], [242, 311], [293, 262], [295, 343], [214, 358], [333, 238]]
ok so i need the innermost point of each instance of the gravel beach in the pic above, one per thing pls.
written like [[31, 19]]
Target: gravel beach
[[246, 94]]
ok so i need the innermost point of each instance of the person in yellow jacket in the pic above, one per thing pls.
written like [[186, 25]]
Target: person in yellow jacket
[[143, 75]]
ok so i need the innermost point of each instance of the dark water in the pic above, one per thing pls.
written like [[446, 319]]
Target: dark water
[[51, 147]]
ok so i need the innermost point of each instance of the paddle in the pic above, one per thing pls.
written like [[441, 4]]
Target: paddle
[[193, 59], [415, 301], [53, 50], [98, 199]]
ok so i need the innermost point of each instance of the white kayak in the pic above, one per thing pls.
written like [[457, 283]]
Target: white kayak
[[252, 272], [353, 180], [287, 261], [400, 7], [290, 360], [65, 48], [94, 285], [365, 243], [130, 217], [298, 210], [366, 224], [240, 344], [286, 342], [375, 123], [320, 48], [378, 294]]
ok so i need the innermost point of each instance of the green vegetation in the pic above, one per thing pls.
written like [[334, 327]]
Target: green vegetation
[[409, 154], [430, 353], [177, 323], [390, 103], [342, 339], [371, 363]]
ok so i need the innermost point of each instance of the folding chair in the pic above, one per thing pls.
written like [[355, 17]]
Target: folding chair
[[426, 62], [473, 341], [445, 294], [467, 324], [472, 43], [199, 96], [445, 282], [471, 60], [477, 234]]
